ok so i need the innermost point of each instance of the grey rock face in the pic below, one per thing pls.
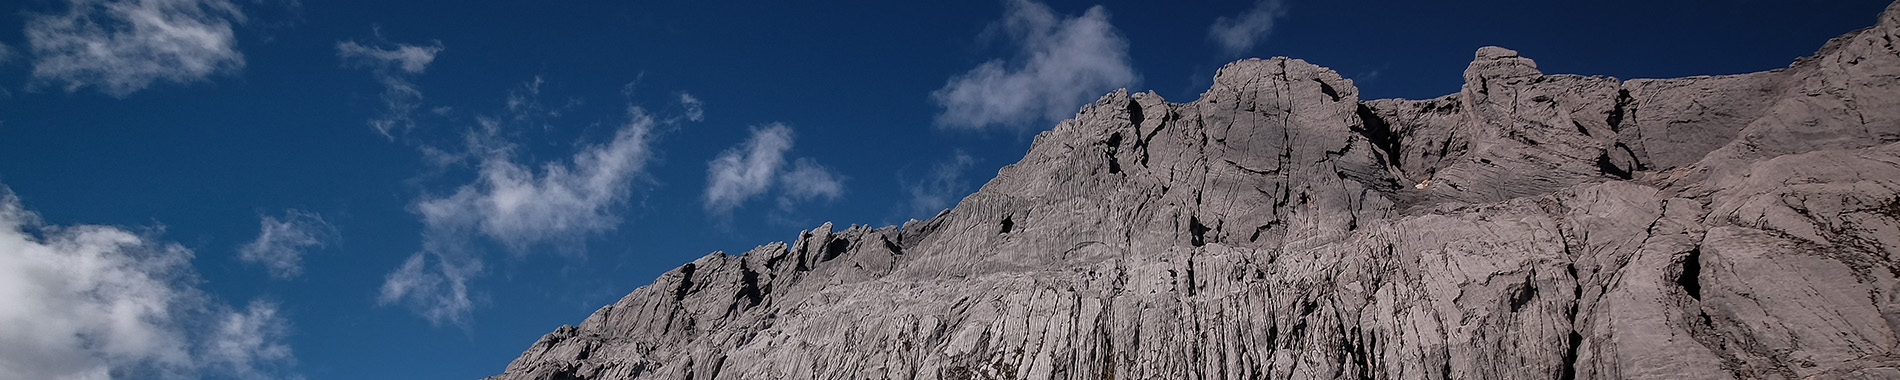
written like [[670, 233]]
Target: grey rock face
[[1528, 226]]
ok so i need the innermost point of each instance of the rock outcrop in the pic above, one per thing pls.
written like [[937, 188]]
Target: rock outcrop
[[1528, 226]]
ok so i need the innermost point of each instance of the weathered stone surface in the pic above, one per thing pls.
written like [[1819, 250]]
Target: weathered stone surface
[[1528, 226]]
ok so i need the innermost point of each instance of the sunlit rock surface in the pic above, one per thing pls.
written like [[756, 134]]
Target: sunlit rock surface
[[1529, 226]]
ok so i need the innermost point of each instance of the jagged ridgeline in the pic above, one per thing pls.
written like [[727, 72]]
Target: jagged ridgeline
[[1527, 226]]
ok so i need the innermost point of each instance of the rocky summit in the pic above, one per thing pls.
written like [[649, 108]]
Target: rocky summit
[[1528, 226]]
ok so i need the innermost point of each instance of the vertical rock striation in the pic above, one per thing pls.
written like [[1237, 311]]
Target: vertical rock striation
[[1529, 226]]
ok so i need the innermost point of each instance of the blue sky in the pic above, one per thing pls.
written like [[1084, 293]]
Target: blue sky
[[377, 189]]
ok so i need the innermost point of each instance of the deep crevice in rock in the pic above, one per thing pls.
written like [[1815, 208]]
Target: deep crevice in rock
[[1378, 132], [686, 282], [1623, 101], [749, 287], [1575, 337], [896, 250], [1607, 167], [1196, 231], [1635, 163], [1190, 276], [1327, 89], [1273, 336], [1524, 294], [1570, 356], [836, 247], [571, 373], [1262, 228], [1134, 112], [1690, 279]]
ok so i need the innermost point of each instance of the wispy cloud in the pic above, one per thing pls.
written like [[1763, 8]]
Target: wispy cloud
[[942, 187], [522, 204], [751, 169], [1239, 34], [695, 110], [411, 59], [434, 283], [810, 181], [94, 302], [525, 107], [241, 340], [745, 171], [1063, 63], [517, 205], [123, 46], [280, 243], [393, 66], [1369, 76]]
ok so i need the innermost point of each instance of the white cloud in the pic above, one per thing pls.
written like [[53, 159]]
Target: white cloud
[[754, 167], [280, 244], [434, 283], [6, 53], [1064, 63], [746, 171], [1369, 76], [410, 59], [393, 67], [1239, 34], [942, 187], [94, 302], [241, 340], [524, 104], [122, 46], [518, 205], [807, 181], [695, 110]]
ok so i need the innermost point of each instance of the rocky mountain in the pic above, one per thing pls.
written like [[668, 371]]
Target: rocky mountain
[[1528, 226]]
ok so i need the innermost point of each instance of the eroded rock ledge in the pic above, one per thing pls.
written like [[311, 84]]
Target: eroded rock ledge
[[1528, 226]]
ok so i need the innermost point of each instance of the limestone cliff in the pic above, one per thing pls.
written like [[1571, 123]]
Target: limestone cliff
[[1527, 226]]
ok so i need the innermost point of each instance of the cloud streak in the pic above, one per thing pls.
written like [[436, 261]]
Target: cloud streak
[[393, 66], [122, 46], [88, 301], [1239, 34], [518, 205], [745, 171], [280, 243], [754, 167], [807, 180], [411, 59], [434, 284], [1063, 63], [695, 110], [244, 339]]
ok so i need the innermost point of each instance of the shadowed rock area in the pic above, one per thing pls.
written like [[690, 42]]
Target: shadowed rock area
[[1529, 226]]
